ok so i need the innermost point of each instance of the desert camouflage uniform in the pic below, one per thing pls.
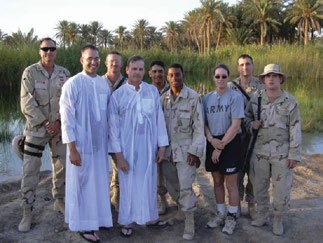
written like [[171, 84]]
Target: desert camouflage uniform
[[253, 87], [114, 178], [278, 140], [185, 127], [117, 84], [39, 99]]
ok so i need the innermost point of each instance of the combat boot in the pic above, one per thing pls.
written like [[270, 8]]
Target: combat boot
[[261, 220], [25, 223], [162, 207], [59, 205], [189, 230], [278, 228]]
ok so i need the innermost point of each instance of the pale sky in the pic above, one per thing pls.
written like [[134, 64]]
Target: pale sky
[[44, 15]]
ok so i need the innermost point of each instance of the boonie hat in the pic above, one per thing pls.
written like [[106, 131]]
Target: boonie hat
[[272, 68], [18, 145]]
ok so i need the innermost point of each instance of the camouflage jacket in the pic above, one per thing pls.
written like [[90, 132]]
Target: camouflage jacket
[[39, 96], [254, 86], [185, 124], [280, 134]]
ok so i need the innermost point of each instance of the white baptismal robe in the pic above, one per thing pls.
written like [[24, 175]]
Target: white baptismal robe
[[83, 108], [137, 128]]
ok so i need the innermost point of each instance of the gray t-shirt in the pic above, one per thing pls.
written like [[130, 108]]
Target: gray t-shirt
[[219, 110]]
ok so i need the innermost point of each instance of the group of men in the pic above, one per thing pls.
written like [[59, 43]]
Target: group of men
[[154, 134]]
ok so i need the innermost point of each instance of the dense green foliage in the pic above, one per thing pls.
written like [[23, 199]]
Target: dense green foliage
[[302, 65]]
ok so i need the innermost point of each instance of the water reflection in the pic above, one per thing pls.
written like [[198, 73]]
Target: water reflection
[[11, 165], [11, 124], [312, 143]]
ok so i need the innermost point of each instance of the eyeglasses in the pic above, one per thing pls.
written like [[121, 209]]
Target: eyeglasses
[[90, 59], [219, 76], [46, 49]]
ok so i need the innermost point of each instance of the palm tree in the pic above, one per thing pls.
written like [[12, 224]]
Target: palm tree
[[260, 11], [62, 28], [140, 30], [210, 11], [307, 15], [96, 27], [172, 31], [192, 26], [84, 31], [72, 32], [2, 35], [121, 32], [224, 23], [105, 38], [18, 39]]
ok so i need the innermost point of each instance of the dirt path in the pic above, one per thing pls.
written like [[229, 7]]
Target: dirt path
[[304, 222]]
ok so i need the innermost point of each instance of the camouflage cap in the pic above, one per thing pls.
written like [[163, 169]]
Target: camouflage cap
[[272, 68], [18, 145]]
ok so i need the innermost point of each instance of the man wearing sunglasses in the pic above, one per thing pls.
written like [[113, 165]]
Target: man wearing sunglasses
[[41, 86]]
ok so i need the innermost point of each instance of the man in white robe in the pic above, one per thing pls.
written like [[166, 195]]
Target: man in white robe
[[83, 108], [137, 140]]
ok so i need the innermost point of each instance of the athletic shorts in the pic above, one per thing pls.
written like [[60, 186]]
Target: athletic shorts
[[230, 160]]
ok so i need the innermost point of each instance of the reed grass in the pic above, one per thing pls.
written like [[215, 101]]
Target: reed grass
[[302, 66]]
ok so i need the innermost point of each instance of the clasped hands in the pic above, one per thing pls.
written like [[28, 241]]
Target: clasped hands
[[218, 146]]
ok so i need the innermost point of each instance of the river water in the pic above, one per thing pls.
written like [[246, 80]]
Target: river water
[[10, 164]]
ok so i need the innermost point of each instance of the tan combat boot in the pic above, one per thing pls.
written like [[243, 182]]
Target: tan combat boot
[[189, 230], [261, 220], [59, 205], [278, 228], [25, 223], [162, 207]]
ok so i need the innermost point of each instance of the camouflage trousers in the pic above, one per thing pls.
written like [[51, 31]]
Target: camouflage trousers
[[114, 178], [33, 150], [179, 178], [262, 169]]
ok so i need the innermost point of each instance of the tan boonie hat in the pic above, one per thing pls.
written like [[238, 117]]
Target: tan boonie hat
[[18, 145], [272, 68]]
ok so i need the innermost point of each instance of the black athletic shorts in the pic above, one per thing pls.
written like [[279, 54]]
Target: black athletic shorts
[[230, 160]]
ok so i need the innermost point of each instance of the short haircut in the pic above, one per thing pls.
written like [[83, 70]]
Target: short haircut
[[176, 65], [221, 66], [243, 56], [46, 39], [158, 63], [89, 46], [114, 53], [134, 59]]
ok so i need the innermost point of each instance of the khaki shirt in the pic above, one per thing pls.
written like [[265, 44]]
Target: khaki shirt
[[280, 134], [39, 96], [116, 84], [254, 86], [185, 124]]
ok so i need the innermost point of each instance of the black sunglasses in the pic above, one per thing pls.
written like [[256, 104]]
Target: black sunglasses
[[218, 76], [46, 49]]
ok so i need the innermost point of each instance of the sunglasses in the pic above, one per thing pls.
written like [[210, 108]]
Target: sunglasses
[[46, 49], [219, 76]]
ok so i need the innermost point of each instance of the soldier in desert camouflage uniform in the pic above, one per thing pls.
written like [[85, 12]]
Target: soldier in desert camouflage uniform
[[157, 74], [185, 127], [246, 84], [41, 87], [278, 146]]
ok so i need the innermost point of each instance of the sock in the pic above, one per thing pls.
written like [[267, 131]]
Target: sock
[[221, 208], [233, 209]]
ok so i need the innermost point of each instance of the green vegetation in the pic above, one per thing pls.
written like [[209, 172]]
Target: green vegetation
[[302, 65]]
